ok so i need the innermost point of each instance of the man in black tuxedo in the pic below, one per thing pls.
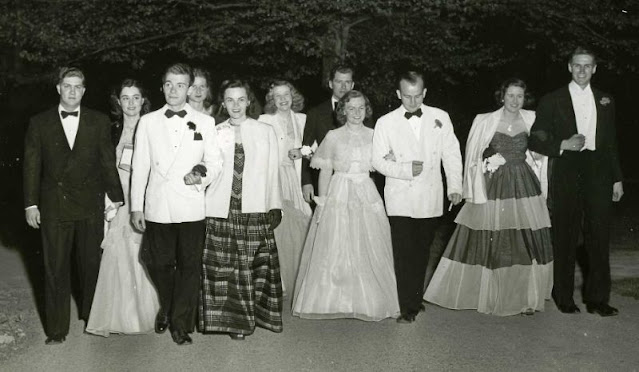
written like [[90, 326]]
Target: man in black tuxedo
[[575, 126], [319, 120], [69, 164]]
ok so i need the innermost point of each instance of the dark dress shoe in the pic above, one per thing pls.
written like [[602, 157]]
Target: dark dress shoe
[[55, 340], [602, 309], [161, 322], [528, 312], [405, 319], [180, 337], [237, 336], [569, 309]]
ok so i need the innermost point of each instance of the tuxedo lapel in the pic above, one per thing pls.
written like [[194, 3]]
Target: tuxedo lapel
[[408, 135], [567, 111], [57, 136], [185, 140], [601, 119], [83, 138]]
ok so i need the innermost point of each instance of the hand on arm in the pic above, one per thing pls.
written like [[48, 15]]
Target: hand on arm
[[275, 218], [295, 154], [388, 165], [455, 198], [418, 167], [574, 143], [193, 178], [308, 191]]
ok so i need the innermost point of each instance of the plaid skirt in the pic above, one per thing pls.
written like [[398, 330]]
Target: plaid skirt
[[241, 284]]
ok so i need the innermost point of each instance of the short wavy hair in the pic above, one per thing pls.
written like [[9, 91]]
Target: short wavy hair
[[297, 98], [179, 69], [581, 50], [64, 72], [251, 110], [116, 110], [342, 69], [513, 82], [340, 112], [410, 76]]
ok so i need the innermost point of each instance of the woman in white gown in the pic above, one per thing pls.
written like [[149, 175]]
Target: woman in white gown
[[283, 103], [125, 301], [347, 264]]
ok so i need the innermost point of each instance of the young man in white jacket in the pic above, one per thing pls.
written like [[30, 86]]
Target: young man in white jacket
[[409, 147]]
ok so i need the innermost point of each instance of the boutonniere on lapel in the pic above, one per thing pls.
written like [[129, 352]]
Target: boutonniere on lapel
[[438, 124], [197, 136], [604, 101]]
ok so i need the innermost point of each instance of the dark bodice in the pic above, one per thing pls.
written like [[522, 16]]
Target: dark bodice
[[513, 149]]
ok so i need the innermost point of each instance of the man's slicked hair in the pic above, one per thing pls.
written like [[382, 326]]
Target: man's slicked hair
[[179, 69], [65, 72], [582, 50], [342, 69], [410, 76]]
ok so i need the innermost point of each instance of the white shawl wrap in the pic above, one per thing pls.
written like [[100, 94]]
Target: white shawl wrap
[[481, 133]]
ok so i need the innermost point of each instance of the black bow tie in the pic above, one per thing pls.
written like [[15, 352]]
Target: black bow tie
[[417, 113], [66, 113], [170, 113]]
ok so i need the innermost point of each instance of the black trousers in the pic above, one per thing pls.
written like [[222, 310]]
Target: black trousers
[[411, 238], [64, 243], [172, 254], [582, 203]]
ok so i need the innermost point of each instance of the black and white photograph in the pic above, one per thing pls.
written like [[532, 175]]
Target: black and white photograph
[[319, 185]]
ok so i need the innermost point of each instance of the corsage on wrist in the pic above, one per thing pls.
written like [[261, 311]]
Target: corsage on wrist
[[307, 152]]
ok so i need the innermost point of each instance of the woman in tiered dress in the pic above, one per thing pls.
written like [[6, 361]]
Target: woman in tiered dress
[[125, 300], [241, 285], [283, 103], [499, 259], [347, 263]]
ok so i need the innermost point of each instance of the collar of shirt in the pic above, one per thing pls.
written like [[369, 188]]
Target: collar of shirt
[[60, 109], [333, 102], [576, 89]]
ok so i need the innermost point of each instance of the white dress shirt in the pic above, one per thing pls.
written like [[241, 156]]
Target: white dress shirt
[[334, 102], [175, 127], [414, 121], [70, 125], [583, 103]]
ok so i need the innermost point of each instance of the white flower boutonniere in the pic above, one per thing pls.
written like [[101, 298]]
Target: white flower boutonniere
[[604, 101], [492, 163], [307, 151]]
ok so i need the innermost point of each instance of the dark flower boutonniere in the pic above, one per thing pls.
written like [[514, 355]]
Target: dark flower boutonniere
[[197, 136], [438, 124], [604, 101]]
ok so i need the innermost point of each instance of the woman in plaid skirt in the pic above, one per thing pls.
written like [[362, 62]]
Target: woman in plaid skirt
[[241, 285]]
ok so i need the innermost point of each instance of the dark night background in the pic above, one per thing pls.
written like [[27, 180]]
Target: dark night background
[[464, 48]]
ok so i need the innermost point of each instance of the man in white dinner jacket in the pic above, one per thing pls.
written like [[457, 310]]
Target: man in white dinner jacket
[[410, 145], [175, 157]]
